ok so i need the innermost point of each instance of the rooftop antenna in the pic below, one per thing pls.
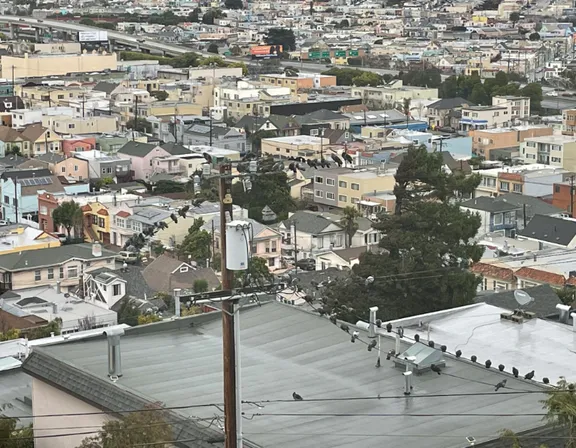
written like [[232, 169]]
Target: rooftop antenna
[[522, 297]]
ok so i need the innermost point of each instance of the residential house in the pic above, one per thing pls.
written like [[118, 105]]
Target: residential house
[[20, 192], [39, 140], [141, 156], [554, 150], [46, 303], [165, 274], [484, 141], [102, 165], [529, 206], [543, 305], [298, 82], [96, 222], [77, 144], [104, 286], [316, 122], [64, 124], [392, 94], [340, 259], [305, 146], [136, 219], [495, 215], [439, 112], [219, 137], [11, 138], [21, 237], [485, 117], [280, 125], [62, 265], [519, 105], [551, 231], [265, 242], [304, 234], [61, 371], [569, 121], [71, 167], [376, 202]]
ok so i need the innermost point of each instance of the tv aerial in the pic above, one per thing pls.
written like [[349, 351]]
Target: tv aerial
[[522, 297]]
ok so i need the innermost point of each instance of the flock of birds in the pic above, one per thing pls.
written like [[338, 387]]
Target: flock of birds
[[299, 163]]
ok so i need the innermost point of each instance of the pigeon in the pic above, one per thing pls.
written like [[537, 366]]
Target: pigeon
[[436, 369], [337, 160], [529, 376], [183, 211], [174, 218], [345, 328], [292, 167], [500, 385], [297, 397], [347, 157], [515, 372], [207, 157]]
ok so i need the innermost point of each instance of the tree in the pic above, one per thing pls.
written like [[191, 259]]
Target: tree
[[236, 50], [212, 15], [150, 426], [135, 243], [169, 186], [514, 18], [343, 24], [141, 125], [13, 150], [354, 76], [106, 25], [68, 215], [349, 221], [367, 79], [534, 92], [212, 48], [12, 436], [194, 16], [429, 77], [257, 273], [160, 95], [534, 36], [406, 109], [197, 243], [561, 407], [281, 36], [87, 21], [256, 139], [426, 233], [149, 318], [233, 4], [128, 312], [479, 95], [200, 285]]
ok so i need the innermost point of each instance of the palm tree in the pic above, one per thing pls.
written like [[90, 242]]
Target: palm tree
[[561, 407], [406, 109], [349, 221]]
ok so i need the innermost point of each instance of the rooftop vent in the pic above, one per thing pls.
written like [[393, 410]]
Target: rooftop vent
[[114, 355], [419, 358]]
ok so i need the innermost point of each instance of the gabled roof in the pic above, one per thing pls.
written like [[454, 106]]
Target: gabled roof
[[136, 149], [539, 275], [309, 222], [163, 275], [51, 157], [489, 204], [106, 87], [175, 149], [450, 103], [8, 103], [320, 116], [492, 271], [534, 206], [33, 132], [455, 165], [550, 230], [26, 174], [350, 253], [7, 134]]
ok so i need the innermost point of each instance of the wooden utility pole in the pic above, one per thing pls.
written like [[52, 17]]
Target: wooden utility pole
[[228, 339], [571, 196]]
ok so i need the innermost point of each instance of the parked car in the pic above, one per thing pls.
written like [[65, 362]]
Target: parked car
[[128, 257], [307, 264]]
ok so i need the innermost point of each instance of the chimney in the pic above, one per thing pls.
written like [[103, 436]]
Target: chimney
[[564, 312], [408, 382], [114, 355], [54, 308], [58, 290], [177, 302], [96, 250], [371, 330], [573, 316]]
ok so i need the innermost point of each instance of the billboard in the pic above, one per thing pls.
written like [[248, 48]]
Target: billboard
[[265, 51], [92, 36]]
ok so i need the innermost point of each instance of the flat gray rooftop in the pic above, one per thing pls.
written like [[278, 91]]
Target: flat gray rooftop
[[283, 350]]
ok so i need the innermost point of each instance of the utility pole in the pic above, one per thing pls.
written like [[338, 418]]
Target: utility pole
[[83, 103], [16, 198], [228, 331], [13, 93], [135, 115], [572, 196]]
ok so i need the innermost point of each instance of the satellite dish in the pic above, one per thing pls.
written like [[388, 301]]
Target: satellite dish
[[66, 295], [522, 297]]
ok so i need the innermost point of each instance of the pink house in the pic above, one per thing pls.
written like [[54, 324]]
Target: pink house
[[142, 156], [70, 146]]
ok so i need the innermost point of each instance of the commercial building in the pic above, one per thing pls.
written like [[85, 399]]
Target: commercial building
[[300, 81], [30, 66], [485, 117]]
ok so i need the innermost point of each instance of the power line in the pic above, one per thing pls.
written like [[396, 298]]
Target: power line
[[353, 414]]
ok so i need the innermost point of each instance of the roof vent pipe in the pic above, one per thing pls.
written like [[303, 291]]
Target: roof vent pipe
[[408, 382], [177, 304], [114, 355], [564, 312], [573, 315], [371, 329], [58, 290]]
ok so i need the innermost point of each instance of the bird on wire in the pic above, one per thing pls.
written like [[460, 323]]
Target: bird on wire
[[297, 397]]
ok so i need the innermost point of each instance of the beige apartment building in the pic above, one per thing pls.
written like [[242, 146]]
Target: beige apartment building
[[34, 65], [49, 96], [301, 81], [485, 140], [392, 94], [353, 185], [295, 146], [554, 150], [64, 124]]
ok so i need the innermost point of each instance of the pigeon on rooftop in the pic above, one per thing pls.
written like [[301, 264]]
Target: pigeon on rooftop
[[529, 375], [500, 385], [436, 369]]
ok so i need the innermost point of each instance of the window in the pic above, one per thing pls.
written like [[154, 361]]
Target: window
[[355, 186], [75, 167], [314, 132], [517, 188], [116, 290], [319, 180], [71, 126], [343, 198], [271, 262], [273, 246], [61, 272], [60, 97], [355, 200], [343, 184], [557, 188], [101, 222], [319, 193], [184, 269], [43, 210], [331, 182], [72, 271], [331, 196], [50, 273], [6, 199], [498, 219], [320, 242], [505, 186], [37, 275]]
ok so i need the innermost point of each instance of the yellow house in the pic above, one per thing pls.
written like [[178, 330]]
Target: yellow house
[[39, 140], [96, 223], [19, 238], [64, 124], [352, 186]]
